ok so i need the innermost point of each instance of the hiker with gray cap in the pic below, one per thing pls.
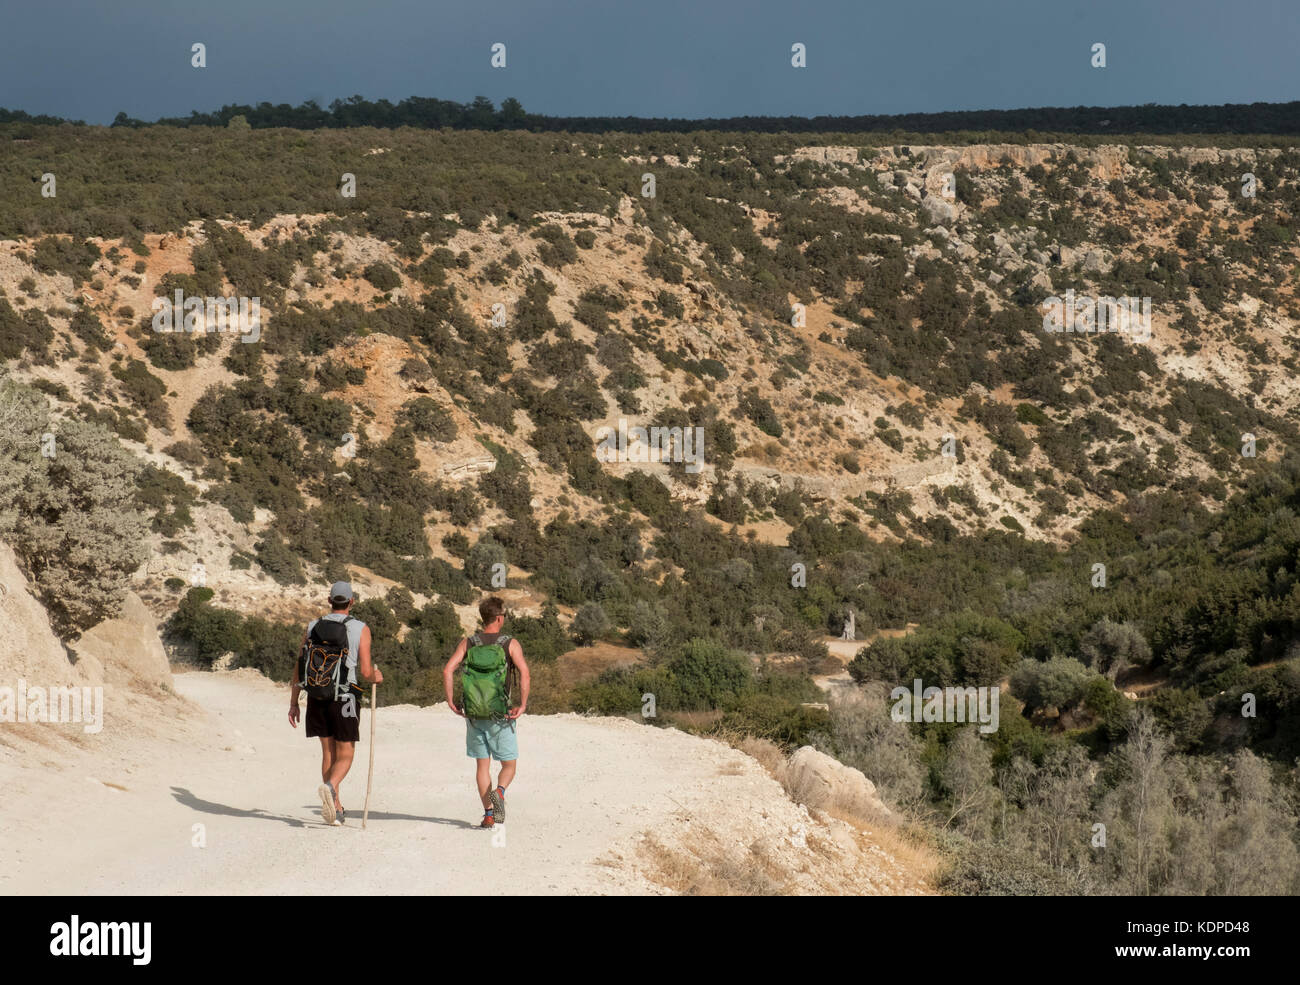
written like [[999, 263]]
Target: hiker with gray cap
[[334, 657]]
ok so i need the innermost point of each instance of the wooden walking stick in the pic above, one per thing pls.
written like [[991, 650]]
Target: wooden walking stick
[[370, 774]]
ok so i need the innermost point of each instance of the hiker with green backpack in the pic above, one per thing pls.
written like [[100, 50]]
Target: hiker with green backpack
[[492, 660]]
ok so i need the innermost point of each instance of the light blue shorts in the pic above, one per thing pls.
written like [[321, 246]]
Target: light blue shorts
[[486, 738]]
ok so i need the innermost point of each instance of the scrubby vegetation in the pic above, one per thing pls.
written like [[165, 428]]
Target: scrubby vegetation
[[1076, 520], [68, 508]]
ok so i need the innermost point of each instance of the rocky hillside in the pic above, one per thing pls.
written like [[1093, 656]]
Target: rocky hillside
[[1100, 526], [859, 331]]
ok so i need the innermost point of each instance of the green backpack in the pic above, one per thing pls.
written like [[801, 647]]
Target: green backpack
[[484, 678]]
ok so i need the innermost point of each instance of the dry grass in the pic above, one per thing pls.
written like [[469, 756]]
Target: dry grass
[[879, 861], [904, 841], [910, 845], [767, 753], [550, 692], [586, 663], [693, 721], [764, 453], [704, 867]]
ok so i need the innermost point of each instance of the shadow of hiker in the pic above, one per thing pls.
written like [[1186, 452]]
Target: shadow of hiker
[[454, 822], [188, 799]]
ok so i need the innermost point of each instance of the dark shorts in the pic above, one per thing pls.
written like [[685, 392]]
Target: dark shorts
[[326, 719]]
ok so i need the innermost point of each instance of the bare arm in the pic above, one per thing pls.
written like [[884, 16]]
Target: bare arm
[[517, 655], [294, 687], [368, 672], [448, 674]]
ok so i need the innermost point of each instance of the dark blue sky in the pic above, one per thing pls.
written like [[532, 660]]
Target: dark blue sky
[[88, 59]]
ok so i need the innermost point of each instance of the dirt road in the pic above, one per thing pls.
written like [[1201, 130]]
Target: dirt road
[[228, 806]]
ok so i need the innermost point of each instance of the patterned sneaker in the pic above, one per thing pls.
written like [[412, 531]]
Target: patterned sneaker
[[498, 798], [488, 820], [327, 811]]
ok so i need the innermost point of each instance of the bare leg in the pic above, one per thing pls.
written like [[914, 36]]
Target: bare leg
[[326, 757], [507, 773], [484, 777], [343, 753]]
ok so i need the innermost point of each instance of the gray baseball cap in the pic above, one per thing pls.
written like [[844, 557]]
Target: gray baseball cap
[[341, 591]]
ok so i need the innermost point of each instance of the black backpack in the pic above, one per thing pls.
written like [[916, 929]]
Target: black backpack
[[322, 666]]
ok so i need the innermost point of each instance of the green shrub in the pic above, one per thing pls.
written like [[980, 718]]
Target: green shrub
[[269, 647], [543, 639], [66, 256], [557, 249], [1056, 683], [1110, 648], [86, 326], [760, 412], [482, 560], [670, 304], [428, 419], [590, 623], [617, 692], [170, 350], [457, 544], [708, 674], [382, 276], [166, 496], [279, 561], [209, 630], [144, 390], [715, 369], [1029, 414], [765, 716], [29, 332]]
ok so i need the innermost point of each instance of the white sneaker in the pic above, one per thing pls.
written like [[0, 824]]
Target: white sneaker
[[327, 803]]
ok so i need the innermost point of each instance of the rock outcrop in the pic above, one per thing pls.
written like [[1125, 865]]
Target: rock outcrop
[[821, 782], [126, 651], [123, 655], [29, 649]]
